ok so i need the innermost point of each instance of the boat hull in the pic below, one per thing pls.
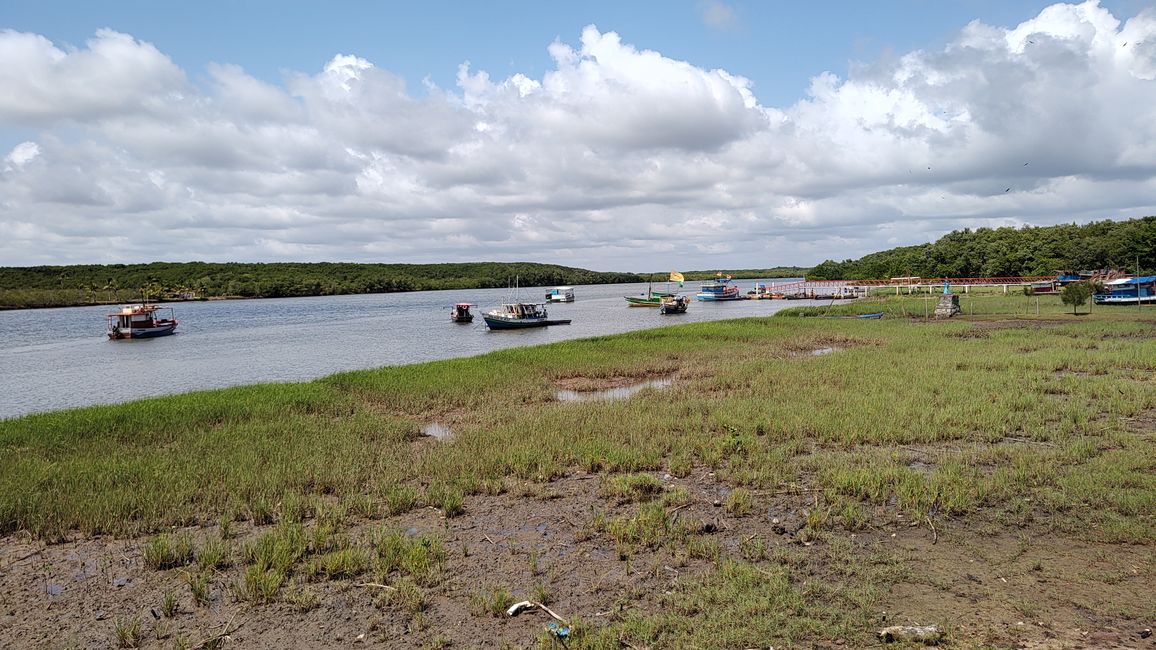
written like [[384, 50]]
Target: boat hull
[[142, 332], [521, 324], [643, 302]]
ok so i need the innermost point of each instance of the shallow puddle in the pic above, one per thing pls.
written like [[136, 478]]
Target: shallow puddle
[[436, 430], [611, 394]]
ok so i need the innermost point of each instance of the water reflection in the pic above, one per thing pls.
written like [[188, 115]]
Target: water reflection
[[436, 430], [611, 394]]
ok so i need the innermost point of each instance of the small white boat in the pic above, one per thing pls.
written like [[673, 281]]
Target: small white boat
[[560, 294], [141, 322]]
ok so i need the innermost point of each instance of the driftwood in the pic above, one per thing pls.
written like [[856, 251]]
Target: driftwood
[[926, 634]]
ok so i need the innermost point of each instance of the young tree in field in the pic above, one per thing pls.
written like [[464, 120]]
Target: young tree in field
[[1076, 294]]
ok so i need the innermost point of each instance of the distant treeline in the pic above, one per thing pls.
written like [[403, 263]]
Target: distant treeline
[[1004, 252], [739, 274], [49, 286]]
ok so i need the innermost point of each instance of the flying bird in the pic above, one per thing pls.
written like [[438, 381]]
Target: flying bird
[[1007, 190], [1026, 164]]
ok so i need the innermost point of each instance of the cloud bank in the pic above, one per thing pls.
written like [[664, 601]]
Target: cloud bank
[[616, 158]]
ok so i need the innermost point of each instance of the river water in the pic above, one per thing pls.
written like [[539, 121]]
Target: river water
[[52, 359]]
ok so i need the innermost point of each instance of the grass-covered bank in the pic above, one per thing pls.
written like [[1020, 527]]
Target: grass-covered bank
[[1027, 425]]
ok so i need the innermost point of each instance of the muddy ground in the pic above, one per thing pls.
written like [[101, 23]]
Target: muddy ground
[[985, 584]]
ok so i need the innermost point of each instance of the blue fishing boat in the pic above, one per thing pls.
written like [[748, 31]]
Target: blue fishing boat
[[718, 290], [1128, 291]]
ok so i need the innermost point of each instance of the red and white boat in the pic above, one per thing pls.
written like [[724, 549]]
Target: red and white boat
[[141, 322]]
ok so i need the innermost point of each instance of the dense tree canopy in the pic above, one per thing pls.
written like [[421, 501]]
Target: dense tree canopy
[[1001, 252]]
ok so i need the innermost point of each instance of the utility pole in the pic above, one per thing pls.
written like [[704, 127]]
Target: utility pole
[[1139, 309]]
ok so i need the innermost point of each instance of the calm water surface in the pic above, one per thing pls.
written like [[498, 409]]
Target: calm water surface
[[61, 358]]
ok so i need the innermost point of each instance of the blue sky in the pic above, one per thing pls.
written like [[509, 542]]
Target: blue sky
[[778, 45], [608, 135]]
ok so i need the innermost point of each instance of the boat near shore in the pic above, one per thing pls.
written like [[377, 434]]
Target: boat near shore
[[141, 322], [1128, 291]]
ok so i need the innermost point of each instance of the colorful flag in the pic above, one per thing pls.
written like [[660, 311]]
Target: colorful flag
[[675, 276]]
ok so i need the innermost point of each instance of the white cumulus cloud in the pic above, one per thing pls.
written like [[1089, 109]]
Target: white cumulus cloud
[[617, 157]]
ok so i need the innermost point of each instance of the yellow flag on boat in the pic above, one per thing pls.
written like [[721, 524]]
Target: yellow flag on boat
[[675, 276]]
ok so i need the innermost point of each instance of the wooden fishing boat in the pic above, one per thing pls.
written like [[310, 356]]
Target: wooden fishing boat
[[674, 305], [141, 322], [654, 298], [460, 313], [520, 315]]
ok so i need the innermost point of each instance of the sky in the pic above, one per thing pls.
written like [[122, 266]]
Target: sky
[[608, 135]]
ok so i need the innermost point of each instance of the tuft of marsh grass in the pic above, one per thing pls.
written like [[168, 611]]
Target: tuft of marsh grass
[[198, 587], [301, 599], [420, 558], [405, 595], [214, 554], [128, 633], [739, 502], [169, 552], [400, 499], [259, 586], [627, 488], [345, 563], [491, 602], [170, 606]]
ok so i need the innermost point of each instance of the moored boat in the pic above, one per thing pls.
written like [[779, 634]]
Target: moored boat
[[654, 298], [1128, 291], [674, 305], [520, 315], [560, 294], [718, 290], [460, 313], [141, 322]]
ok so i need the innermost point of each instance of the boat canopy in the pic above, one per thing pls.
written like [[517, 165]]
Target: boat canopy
[[1144, 279]]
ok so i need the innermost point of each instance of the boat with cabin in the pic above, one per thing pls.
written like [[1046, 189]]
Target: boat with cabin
[[520, 315], [1128, 291], [560, 294], [460, 313], [141, 322], [674, 305], [718, 290]]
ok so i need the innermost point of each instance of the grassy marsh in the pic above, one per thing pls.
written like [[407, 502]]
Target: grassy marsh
[[1042, 422]]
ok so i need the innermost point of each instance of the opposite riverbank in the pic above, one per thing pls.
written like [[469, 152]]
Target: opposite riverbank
[[801, 481]]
